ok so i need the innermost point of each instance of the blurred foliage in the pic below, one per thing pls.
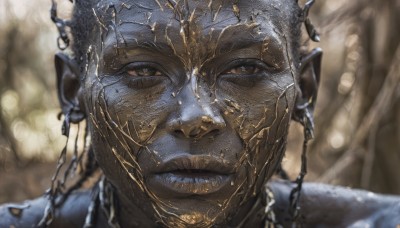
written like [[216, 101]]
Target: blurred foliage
[[29, 129], [357, 117], [357, 141]]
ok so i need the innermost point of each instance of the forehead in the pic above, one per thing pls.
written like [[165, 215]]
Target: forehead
[[185, 27], [210, 12], [185, 8]]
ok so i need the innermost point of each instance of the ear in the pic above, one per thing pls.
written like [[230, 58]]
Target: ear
[[310, 70], [68, 87]]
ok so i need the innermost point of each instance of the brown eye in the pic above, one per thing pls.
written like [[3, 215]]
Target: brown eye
[[144, 71], [243, 70]]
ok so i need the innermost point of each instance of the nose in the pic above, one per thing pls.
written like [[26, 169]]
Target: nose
[[196, 118]]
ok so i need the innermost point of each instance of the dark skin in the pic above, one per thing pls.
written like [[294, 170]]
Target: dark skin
[[322, 206], [188, 108]]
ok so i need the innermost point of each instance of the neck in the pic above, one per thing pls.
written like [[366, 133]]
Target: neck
[[130, 215], [250, 214]]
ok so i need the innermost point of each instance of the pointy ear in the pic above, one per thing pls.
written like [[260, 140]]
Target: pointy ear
[[68, 87], [310, 71]]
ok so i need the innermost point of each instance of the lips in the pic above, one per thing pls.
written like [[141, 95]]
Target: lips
[[191, 175]]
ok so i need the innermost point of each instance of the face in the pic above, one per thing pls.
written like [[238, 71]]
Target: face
[[189, 103]]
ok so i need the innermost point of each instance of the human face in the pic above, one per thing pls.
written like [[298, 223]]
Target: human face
[[189, 104]]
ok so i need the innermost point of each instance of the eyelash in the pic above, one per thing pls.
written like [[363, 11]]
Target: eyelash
[[142, 70], [143, 75], [238, 70], [242, 65], [236, 74]]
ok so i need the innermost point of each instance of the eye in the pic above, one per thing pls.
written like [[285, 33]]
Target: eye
[[243, 70], [142, 75], [143, 71]]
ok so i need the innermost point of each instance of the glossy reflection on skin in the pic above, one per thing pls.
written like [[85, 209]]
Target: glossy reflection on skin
[[189, 104]]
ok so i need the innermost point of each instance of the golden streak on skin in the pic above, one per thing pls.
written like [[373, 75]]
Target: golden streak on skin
[[134, 128], [140, 182], [256, 137], [227, 202], [157, 204], [233, 105], [264, 47], [289, 59], [236, 11], [171, 44], [98, 19], [263, 119], [219, 38], [195, 218], [183, 35], [96, 125], [124, 144], [123, 165], [248, 25], [216, 13], [153, 29], [120, 130], [269, 160], [124, 5], [191, 18], [207, 119], [159, 4], [203, 128], [193, 80], [169, 5], [259, 136], [149, 15], [276, 112]]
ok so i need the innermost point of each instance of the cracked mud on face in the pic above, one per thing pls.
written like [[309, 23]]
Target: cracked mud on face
[[189, 104]]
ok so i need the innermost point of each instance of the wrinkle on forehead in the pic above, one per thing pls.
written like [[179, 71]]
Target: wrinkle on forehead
[[196, 33]]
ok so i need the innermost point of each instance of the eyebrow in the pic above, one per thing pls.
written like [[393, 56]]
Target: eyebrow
[[114, 46], [246, 41], [240, 41]]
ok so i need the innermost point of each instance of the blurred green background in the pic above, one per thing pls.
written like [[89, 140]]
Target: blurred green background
[[357, 141]]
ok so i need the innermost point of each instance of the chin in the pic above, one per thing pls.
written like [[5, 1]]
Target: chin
[[205, 214], [190, 219]]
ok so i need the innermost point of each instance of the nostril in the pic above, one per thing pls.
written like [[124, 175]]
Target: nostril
[[178, 132], [213, 132], [195, 132], [201, 126]]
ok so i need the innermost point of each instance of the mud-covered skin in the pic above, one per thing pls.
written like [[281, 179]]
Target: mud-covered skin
[[188, 104], [334, 206], [194, 105], [322, 206], [72, 214]]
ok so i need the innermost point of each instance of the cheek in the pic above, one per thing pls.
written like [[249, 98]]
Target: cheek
[[262, 112], [133, 114], [260, 117]]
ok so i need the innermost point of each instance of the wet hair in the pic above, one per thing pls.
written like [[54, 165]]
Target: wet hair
[[83, 25]]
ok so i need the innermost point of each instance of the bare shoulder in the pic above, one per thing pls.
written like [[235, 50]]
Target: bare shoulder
[[334, 206], [29, 213]]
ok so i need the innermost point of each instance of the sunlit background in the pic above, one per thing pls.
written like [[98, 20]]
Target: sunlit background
[[357, 117]]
